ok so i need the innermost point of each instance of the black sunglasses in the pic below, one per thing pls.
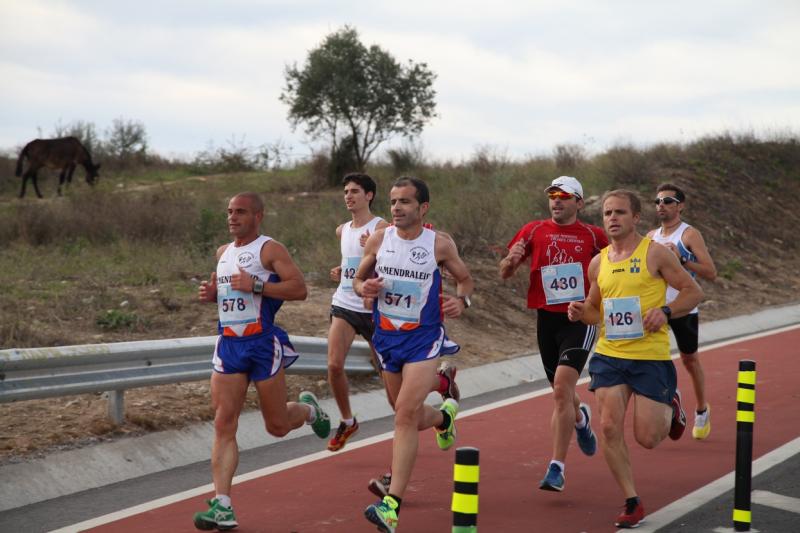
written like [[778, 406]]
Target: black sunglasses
[[668, 200]]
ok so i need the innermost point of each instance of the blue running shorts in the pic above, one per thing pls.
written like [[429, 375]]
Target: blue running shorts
[[259, 356], [656, 380], [395, 349]]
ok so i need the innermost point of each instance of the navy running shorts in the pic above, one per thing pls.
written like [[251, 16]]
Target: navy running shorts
[[395, 349], [656, 380], [259, 356]]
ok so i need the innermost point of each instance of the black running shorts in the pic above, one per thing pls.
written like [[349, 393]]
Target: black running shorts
[[562, 342], [361, 322], [686, 330]]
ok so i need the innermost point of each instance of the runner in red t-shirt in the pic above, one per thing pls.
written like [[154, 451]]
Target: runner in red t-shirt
[[560, 249]]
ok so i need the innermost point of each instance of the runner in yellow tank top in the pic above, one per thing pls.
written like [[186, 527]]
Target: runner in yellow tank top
[[632, 359]]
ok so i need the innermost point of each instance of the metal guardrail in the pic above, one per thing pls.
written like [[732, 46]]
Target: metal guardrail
[[35, 373]]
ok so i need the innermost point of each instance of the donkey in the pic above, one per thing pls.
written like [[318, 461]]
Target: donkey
[[64, 153]]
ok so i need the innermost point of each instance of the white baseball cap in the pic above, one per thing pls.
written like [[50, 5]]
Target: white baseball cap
[[567, 184]]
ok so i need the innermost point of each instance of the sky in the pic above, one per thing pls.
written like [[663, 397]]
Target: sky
[[514, 77]]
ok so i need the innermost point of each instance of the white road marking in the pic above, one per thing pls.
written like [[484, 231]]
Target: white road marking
[[263, 472], [776, 501], [703, 495]]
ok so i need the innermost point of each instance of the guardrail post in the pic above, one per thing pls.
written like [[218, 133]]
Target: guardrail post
[[116, 406]]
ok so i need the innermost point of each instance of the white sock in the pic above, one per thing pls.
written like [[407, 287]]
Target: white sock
[[224, 500], [582, 423], [559, 463], [311, 417], [349, 421]]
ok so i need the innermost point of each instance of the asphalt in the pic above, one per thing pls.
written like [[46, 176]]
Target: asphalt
[[157, 456]]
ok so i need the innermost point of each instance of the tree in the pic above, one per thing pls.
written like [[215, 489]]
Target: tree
[[127, 141], [354, 94]]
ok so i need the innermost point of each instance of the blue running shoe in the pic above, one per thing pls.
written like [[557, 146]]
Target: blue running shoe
[[586, 439], [554, 479]]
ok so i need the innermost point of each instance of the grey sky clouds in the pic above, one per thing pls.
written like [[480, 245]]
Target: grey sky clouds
[[520, 76]]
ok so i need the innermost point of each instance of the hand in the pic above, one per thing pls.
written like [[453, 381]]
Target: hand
[[654, 319], [336, 273], [371, 287], [452, 306], [363, 239], [673, 249], [575, 311], [208, 289], [517, 252], [242, 281]]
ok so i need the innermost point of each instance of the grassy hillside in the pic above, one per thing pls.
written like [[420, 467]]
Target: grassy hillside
[[122, 261]]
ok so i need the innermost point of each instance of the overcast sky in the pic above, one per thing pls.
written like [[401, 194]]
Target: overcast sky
[[517, 76]]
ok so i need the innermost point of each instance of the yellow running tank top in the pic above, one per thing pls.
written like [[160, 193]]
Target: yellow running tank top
[[628, 290]]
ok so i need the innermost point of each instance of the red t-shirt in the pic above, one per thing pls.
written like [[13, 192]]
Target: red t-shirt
[[548, 243]]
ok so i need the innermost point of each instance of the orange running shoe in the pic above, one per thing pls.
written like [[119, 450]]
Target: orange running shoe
[[343, 433]]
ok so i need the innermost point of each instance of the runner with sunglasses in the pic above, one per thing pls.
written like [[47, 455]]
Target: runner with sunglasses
[[688, 245], [560, 249]]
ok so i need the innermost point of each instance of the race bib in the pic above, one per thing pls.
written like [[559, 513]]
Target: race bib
[[235, 307], [400, 300], [563, 283], [623, 318], [349, 267]]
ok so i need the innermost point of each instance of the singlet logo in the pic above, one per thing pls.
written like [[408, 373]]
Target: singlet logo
[[245, 259], [419, 255], [636, 265], [557, 255]]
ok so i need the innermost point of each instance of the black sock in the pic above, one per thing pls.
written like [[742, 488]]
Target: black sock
[[631, 503], [701, 412], [398, 500], [445, 421]]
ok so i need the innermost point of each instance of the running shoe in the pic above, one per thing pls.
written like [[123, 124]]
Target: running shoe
[[446, 438], [586, 439], [322, 424], [447, 381], [678, 424], [343, 433], [631, 516], [553, 479], [216, 517], [383, 514], [702, 424], [380, 487]]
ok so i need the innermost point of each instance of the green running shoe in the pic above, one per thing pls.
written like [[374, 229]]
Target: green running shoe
[[322, 425], [217, 517], [383, 514], [445, 439]]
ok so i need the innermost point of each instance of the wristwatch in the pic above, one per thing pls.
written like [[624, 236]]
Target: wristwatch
[[258, 286], [666, 310], [683, 259], [466, 301]]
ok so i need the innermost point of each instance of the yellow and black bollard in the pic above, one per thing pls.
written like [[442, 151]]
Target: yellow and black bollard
[[465, 491], [745, 417]]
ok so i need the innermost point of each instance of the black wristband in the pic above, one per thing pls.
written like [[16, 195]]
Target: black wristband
[[258, 286]]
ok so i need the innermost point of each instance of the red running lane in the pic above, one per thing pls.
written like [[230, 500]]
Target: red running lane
[[329, 495]]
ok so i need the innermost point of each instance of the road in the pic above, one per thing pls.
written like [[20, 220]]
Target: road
[[299, 488]]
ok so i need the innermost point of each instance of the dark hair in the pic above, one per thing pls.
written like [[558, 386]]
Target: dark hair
[[364, 181], [422, 195], [633, 198], [670, 187]]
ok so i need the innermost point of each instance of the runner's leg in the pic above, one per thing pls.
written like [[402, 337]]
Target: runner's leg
[[227, 397]]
